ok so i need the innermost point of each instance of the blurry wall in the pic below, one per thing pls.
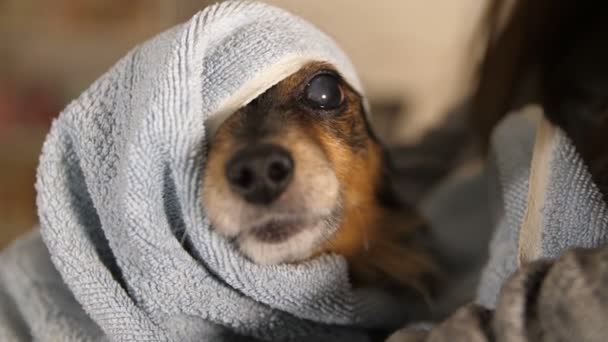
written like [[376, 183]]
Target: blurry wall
[[421, 52], [415, 57]]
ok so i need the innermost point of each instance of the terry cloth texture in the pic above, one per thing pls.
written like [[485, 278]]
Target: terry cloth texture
[[537, 197], [133, 256], [537, 286], [534, 199], [547, 202]]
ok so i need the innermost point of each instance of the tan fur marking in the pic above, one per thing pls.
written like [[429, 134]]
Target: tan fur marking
[[337, 164]]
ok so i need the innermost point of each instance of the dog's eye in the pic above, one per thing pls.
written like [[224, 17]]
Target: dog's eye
[[324, 92]]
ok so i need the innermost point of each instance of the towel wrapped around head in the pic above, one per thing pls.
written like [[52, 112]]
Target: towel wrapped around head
[[133, 255]]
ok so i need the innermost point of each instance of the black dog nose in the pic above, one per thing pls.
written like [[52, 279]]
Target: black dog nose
[[260, 173]]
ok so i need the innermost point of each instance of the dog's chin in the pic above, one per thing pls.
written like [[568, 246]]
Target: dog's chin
[[286, 240]]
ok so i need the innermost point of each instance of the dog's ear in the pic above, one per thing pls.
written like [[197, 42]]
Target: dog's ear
[[519, 35], [575, 86]]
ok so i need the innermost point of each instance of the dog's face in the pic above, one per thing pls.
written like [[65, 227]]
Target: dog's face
[[281, 170]]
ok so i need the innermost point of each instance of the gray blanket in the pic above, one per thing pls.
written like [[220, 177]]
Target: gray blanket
[[121, 219]]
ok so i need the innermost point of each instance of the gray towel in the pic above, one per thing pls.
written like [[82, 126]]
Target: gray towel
[[133, 255], [543, 204], [478, 217], [540, 201], [548, 201]]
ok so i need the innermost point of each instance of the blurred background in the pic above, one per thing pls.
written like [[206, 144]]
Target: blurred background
[[416, 58]]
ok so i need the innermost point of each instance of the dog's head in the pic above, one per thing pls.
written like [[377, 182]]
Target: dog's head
[[283, 169], [298, 172]]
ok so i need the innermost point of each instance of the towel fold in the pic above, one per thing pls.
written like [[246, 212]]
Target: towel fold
[[133, 255], [125, 251], [541, 204], [539, 201], [548, 201]]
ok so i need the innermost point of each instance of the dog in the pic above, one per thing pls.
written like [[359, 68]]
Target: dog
[[298, 172]]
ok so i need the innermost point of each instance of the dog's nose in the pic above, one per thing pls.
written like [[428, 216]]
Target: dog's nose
[[260, 173]]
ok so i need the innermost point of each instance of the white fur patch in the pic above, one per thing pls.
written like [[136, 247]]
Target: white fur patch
[[297, 247]]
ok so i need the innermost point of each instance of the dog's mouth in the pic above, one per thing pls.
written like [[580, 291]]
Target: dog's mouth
[[277, 231], [287, 239], [270, 217]]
